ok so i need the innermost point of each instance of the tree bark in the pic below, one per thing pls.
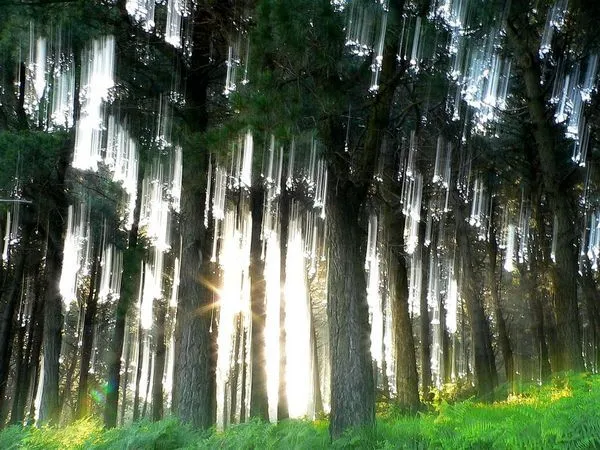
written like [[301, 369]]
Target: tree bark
[[560, 195], [148, 385], [36, 350], [125, 382], [234, 383], [142, 338], [485, 366], [83, 407], [26, 376], [352, 385], [284, 219], [243, 381], [194, 396], [132, 265], [259, 406], [20, 364], [56, 230], [591, 295], [407, 379], [12, 300], [159, 361], [494, 287], [318, 397], [424, 320], [194, 389]]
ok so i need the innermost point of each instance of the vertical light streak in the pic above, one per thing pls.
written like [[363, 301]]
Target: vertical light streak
[[297, 326]]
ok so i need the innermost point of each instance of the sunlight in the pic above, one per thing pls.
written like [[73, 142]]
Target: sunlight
[[272, 279], [297, 326]]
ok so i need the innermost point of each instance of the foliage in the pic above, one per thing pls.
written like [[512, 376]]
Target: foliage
[[31, 157], [560, 415]]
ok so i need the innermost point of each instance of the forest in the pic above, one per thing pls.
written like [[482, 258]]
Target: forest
[[227, 216]]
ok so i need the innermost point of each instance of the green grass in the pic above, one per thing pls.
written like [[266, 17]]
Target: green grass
[[564, 414]]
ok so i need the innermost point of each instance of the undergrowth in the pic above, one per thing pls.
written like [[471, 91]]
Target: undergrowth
[[564, 414]]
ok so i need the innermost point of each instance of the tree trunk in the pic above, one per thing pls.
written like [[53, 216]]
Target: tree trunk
[[259, 406], [70, 374], [194, 396], [284, 219], [125, 382], [132, 265], [318, 397], [138, 372], [26, 376], [53, 310], [159, 361], [352, 385], [591, 294], [194, 389], [494, 287], [9, 307], [20, 364], [83, 407], [424, 320], [407, 379], [447, 343], [560, 195], [235, 371], [481, 341], [539, 332], [36, 350], [148, 385], [243, 381]]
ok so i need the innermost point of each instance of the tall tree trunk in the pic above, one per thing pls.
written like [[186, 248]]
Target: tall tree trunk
[[125, 380], [142, 337], [20, 364], [159, 361], [130, 283], [69, 375], [56, 230], [318, 397], [481, 341], [9, 307], [539, 331], [424, 320], [591, 295], [26, 376], [194, 389], [407, 379], [194, 396], [148, 384], [36, 350], [53, 321], [259, 406], [560, 195], [243, 381], [494, 287], [544, 331], [284, 219], [352, 384], [235, 371], [83, 407]]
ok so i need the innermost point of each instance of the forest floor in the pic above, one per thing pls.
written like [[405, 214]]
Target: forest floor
[[562, 414]]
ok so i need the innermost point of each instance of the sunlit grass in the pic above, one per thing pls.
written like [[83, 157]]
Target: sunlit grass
[[563, 414]]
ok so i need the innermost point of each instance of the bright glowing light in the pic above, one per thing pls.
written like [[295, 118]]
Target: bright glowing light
[[510, 248], [297, 324], [273, 293], [234, 260]]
